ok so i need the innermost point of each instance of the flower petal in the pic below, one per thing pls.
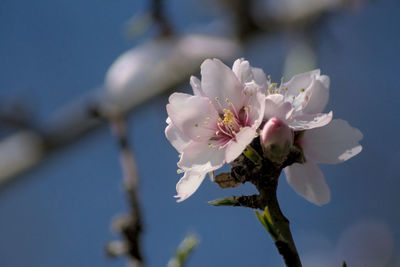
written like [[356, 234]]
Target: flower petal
[[200, 157], [310, 121], [276, 107], [259, 77], [300, 81], [334, 143], [188, 184], [254, 100], [242, 70], [192, 115], [235, 147], [178, 140], [220, 83], [308, 181], [196, 86], [317, 95]]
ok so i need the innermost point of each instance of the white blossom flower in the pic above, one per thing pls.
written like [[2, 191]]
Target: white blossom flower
[[299, 103], [333, 143], [214, 126]]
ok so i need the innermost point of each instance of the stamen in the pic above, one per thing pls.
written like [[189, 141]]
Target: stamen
[[179, 171]]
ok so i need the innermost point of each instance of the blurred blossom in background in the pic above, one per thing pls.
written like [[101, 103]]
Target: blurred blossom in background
[[59, 212]]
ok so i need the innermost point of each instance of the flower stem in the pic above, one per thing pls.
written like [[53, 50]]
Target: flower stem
[[265, 178], [278, 226]]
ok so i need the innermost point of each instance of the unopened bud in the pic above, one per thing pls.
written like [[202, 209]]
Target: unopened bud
[[276, 140]]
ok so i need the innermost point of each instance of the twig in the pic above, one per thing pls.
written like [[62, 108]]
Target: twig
[[131, 225], [265, 177]]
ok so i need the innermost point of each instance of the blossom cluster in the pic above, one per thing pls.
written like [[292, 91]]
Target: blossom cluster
[[231, 107]]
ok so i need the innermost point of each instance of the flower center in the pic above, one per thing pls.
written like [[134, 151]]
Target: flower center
[[229, 119]]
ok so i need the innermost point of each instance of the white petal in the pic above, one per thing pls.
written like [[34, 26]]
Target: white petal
[[334, 143], [196, 86], [242, 70], [192, 115], [300, 81], [308, 181], [178, 140], [259, 77], [276, 107], [235, 147], [310, 121], [255, 102], [219, 82], [188, 184], [317, 95], [199, 157]]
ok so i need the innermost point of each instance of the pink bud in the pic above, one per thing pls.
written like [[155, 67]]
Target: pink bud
[[276, 139]]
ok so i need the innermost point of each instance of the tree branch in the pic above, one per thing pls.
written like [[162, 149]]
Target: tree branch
[[131, 225]]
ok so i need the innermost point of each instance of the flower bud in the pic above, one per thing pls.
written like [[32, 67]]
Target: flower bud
[[276, 140]]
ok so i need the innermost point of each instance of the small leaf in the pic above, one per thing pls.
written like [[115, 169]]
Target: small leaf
[[252, 155], [186, 247], [267, 215], [266, 221], [228, 201], [260, 217]]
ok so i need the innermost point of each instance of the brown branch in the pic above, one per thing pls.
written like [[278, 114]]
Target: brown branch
[[131, 225]]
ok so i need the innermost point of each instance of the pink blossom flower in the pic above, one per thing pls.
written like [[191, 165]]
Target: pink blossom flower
[[214, 126]]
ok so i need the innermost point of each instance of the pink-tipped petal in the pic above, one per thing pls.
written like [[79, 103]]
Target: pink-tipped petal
[[200, 157], [308, 181], [219, 83], [235, 147], [334, 143], [310, 121], [188, 184]]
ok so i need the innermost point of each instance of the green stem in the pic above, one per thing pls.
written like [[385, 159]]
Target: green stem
[[277, 224]]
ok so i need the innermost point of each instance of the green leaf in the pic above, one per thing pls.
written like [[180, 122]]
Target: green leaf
[[186, 247], [252, 155], [266, 221], [228, 201]]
